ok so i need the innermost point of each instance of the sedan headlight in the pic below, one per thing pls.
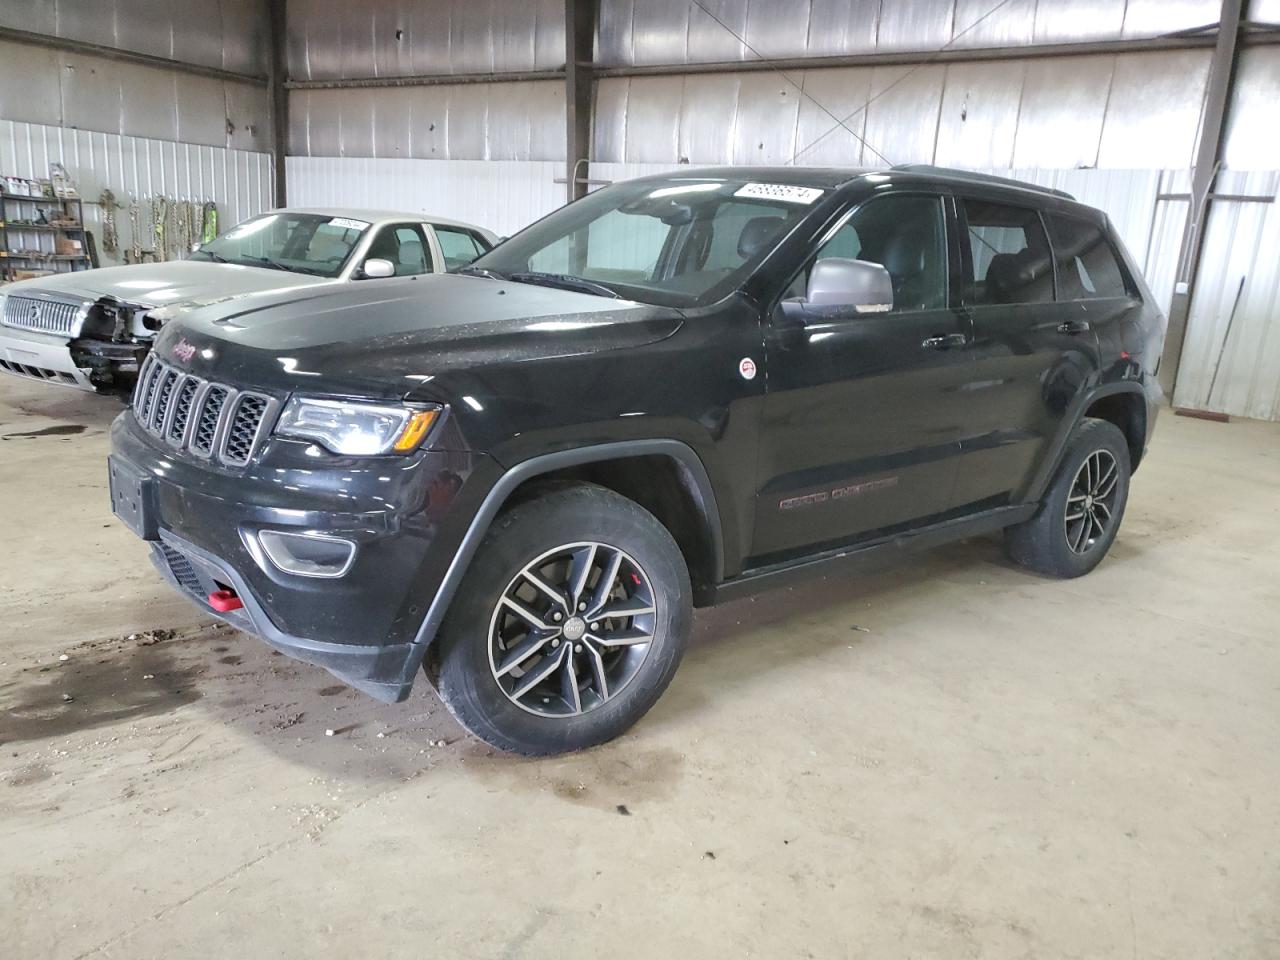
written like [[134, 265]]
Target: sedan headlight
[[354, 427]]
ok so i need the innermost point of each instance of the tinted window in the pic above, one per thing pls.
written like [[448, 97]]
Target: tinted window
[[1087, 264], [405, 246], [676, 241], [905, 235], [459, 246], [1010, 255]]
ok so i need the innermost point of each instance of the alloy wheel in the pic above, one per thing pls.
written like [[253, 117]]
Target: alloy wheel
[[572, 629], [1090, 508]]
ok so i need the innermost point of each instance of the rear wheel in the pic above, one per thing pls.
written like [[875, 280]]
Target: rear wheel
[[569, 625], [1080, 514]]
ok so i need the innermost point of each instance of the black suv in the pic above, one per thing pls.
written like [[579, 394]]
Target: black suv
[[675, 391]]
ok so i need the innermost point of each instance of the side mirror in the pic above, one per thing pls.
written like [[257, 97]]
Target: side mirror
[[857, 284], [376, 267], [196, 246]]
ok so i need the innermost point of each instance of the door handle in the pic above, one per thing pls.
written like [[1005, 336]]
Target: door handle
[[1073, 326], [947, 341]]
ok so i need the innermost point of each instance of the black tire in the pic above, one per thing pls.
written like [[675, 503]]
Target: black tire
[[467, 658], [1054, 545]]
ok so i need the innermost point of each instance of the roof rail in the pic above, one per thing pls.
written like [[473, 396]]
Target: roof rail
[[980, 178]]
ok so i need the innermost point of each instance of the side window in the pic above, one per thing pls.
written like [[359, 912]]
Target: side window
[[1010, 255], [1087, 264], [904, 234], [459, 246], [404, 245]]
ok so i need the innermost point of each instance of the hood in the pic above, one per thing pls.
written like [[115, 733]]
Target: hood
[[173, 283], [386, 338]]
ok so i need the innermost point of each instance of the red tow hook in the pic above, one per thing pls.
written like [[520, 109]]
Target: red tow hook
[[224, 601]]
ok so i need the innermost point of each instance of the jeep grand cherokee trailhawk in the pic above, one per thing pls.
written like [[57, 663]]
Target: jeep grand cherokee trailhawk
[[675, 391]]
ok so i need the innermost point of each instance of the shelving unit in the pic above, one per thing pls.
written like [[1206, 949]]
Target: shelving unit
[[15, 206]]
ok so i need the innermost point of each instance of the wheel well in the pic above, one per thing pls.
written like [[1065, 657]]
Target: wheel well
[[660, 484], [1128, 412]]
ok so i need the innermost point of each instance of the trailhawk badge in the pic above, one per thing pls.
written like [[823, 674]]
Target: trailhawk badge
[[747, 367], [184, 350]]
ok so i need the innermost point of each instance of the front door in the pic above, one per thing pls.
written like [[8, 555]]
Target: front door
[[859, 434]]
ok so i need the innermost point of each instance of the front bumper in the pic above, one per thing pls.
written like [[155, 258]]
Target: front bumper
[[41, 356], [383, 672], [362, 626]]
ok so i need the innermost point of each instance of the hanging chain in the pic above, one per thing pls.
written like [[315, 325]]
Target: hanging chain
[[110, 239]]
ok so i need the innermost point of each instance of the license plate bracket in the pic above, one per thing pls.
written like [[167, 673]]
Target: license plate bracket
[[133, 498]]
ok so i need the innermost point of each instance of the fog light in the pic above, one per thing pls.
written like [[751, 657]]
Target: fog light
[[307, 554]]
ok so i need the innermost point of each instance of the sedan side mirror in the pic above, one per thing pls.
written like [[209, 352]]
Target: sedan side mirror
[[840, 288], [376, 267]]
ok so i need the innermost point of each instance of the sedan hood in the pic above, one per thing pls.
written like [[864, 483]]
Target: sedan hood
[[174, 283], [386, 338]]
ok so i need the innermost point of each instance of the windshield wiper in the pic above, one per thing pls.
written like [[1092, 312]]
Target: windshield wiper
[[565, 281], [269, 263], [481, 272]]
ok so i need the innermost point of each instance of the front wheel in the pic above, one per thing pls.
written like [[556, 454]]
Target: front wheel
[[569, 625], [1081, 511]]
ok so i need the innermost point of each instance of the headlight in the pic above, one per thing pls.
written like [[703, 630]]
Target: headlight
[[354, 427]]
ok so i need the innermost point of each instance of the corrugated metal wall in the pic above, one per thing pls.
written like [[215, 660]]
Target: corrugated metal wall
[[1127, 111], [1233, 332], [475, 121], [501, 195], [676, 31], [329, 39], [225, 34], [239, 181], [46, 86]]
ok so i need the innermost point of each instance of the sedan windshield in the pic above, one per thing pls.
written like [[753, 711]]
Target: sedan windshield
[[297, 242], [679, 241]]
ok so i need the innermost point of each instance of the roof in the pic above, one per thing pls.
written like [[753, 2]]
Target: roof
[[380, 216], [829, 178]]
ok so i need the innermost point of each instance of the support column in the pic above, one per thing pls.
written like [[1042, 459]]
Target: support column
[[1222, 72], [277, 75], [579, 43]]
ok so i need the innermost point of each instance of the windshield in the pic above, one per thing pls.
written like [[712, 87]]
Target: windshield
[[679, 241], [298, 242]]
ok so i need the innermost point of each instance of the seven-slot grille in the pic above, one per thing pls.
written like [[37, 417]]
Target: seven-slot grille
[[47, 316], [211, 420]]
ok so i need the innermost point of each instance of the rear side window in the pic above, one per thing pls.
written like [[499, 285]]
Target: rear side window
[[1011, 262], [1087, 264], [459, 246]]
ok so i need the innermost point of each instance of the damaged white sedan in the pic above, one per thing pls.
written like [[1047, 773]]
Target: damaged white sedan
[[91, 329]]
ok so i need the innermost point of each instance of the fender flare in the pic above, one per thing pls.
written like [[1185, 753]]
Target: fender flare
[[682, 453], [1036, 488]]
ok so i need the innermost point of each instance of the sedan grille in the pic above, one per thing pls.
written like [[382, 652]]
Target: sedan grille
[[213, 421], [35, 313]]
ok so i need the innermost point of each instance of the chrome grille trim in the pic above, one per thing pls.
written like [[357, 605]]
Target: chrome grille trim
[[41, 314], [212, 421]]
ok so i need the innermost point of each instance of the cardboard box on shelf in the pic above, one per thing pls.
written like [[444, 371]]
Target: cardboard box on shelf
[[67, 247]]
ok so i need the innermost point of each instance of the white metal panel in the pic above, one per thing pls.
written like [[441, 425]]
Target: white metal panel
[[1149, 18], [1153, 110], [609, 128], [708, 118], [979, 116], [29, 83], [1064, 100], [902, 120], [820, 139], [1233, 328], [653, 119], [239, 181], [501, 195], [842, 27], [1062, 21], [1009, 26], [915, 25], [1255, 113]]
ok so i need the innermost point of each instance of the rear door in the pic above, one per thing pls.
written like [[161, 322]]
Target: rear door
[[860, 433], [1033, 353]]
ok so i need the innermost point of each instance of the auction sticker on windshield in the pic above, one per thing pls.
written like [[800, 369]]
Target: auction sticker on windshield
[[348, 224], [779, 191]]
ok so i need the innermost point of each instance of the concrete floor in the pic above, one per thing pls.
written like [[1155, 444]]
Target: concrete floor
[[949, 759]]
